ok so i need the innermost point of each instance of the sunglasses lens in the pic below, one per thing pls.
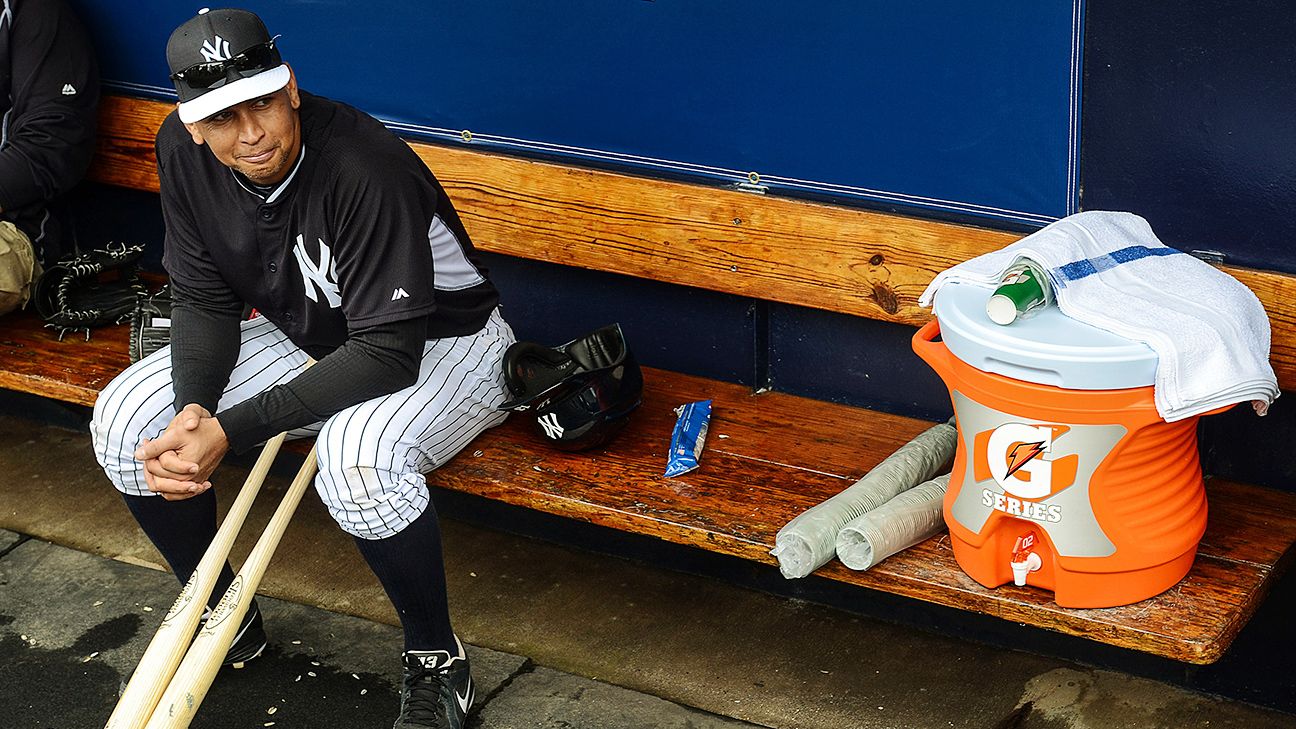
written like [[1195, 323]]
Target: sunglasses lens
[[206, 75], [255, 58], [203, 75]]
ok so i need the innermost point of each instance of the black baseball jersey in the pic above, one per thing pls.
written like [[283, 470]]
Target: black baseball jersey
[[359, 233]]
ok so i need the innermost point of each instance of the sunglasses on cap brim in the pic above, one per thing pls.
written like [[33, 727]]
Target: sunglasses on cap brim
[[254, 60]]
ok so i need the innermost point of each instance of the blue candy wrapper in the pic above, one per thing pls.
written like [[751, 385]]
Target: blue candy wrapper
[[689, 437]]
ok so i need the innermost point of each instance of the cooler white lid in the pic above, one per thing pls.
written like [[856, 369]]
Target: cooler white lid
[[1049, 348]]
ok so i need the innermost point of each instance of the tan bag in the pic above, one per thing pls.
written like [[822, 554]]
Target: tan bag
[[18, 267]]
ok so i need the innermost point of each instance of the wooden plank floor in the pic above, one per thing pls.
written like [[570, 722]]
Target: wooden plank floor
[[769, 457]]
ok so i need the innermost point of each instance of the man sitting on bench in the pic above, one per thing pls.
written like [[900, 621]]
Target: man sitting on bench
[[333, 229]]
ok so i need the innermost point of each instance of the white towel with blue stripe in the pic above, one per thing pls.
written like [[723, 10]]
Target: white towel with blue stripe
[[1209, 331]]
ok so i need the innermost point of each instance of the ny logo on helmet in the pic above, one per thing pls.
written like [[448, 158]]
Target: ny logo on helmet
[[552, 428]]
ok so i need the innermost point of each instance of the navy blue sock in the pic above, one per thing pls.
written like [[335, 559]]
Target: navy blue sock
[[410, 569], [181, 531]]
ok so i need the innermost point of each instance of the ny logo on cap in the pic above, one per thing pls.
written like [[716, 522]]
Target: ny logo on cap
[[216, 49]]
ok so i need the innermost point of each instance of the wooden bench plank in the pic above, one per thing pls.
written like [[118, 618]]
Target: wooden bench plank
[[769, 457], [1240, 518], [1193, 622], [35, 361], [622, 488], [822, 256]]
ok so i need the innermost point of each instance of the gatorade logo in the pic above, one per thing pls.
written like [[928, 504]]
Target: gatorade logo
[[1020, 459]]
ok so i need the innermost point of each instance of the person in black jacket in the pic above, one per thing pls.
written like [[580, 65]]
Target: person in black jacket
[[49, 94]]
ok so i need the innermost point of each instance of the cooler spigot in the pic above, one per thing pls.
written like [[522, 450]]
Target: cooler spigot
[[1024, 558]]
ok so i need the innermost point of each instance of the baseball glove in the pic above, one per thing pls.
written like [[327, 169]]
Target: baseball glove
[[150, 324], [90, 289]]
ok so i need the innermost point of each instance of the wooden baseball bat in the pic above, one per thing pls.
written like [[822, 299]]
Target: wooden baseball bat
[[194, 677], [169, 643]]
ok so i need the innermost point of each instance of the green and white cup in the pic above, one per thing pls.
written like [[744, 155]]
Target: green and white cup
[[1022, 290]]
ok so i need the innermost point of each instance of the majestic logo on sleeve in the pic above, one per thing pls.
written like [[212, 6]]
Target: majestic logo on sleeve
[[318, 275], [1018, 458], [216, 49]]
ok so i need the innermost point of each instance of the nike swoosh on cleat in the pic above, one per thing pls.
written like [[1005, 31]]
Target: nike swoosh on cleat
[[466, 700]]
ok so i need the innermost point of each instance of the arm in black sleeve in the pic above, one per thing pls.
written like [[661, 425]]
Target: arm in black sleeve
[[374, 361], [204, 345], [49, 139]]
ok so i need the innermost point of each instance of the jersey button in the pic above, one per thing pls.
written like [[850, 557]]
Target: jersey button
[[288, 316], [274, 267], [266, 213]]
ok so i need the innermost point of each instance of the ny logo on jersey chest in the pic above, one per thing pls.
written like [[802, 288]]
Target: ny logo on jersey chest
[[319, 277]]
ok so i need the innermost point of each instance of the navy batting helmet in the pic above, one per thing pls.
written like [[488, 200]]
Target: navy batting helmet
[[579, 394]]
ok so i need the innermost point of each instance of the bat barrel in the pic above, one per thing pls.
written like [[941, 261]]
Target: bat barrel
[[189, 685], [167, 648]]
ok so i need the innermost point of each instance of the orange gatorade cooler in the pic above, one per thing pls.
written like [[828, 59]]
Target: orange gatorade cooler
[[1065, 478]]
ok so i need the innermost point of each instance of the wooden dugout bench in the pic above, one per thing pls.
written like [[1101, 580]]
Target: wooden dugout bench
[[769, 455]]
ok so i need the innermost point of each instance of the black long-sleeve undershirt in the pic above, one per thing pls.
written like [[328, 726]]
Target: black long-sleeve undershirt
[[374, 361]]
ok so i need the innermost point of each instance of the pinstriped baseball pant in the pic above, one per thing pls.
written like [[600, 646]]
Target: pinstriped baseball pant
[[372, 456]]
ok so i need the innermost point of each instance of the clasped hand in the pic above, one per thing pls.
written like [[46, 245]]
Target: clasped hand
[[178, 463]]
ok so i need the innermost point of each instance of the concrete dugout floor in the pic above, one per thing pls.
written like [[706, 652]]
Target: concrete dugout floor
[[538, 615]]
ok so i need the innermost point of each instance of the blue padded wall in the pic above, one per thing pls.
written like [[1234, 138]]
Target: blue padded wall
[[950, 107], [1189, 121]]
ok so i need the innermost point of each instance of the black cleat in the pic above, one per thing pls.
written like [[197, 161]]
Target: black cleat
[[249, 642], [437, 691]]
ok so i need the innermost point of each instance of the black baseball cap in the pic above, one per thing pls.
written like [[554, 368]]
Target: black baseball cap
[[220, 58]]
